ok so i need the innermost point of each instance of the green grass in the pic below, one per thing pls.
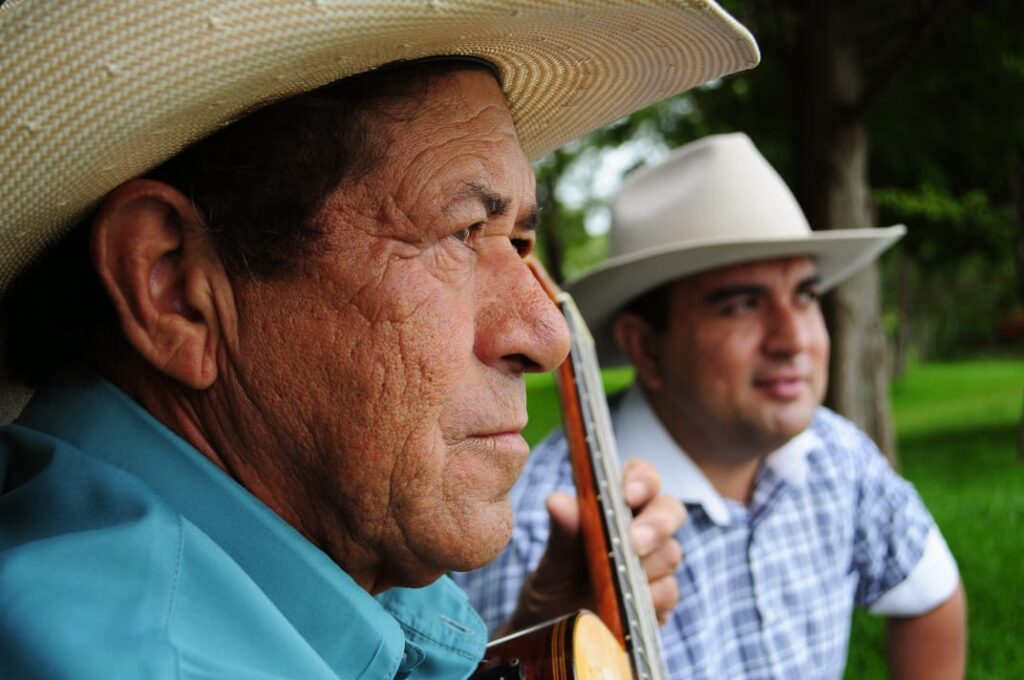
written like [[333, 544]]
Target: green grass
[[545, 412], [957, 428]]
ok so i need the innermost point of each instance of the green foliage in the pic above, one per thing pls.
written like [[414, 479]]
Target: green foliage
[[971, 221], [942, 132], [952, 115], [957, 425], [954, 274]]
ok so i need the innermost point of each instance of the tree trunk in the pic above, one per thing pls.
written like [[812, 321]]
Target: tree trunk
[[832, 186], [1017, 194]]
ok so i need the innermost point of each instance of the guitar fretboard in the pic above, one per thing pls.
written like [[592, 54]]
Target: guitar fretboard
[[639, 622]]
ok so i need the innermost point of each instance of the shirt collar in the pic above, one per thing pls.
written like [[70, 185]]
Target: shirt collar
[[639, 432], [790, 461], [321, 601]]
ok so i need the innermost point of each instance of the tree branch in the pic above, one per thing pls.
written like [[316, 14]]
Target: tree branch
[[919, 32]]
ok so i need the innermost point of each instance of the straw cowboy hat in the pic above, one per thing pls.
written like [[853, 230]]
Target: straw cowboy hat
[[95, 92], [712, 203]]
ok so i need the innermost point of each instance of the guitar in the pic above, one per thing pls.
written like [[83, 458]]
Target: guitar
[[579, 646]]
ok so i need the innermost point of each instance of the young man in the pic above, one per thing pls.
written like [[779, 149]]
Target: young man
[[795, 517], [280, 342]]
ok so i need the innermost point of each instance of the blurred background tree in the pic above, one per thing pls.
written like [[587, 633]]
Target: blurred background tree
[[876, 112]]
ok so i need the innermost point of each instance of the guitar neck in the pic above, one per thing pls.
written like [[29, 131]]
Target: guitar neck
[[624, 600]]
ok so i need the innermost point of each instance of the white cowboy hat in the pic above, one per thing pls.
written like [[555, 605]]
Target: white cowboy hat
[[95, 92], [712, 203]]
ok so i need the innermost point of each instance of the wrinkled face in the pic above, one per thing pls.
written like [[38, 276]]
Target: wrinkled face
[[745, 356], [392, 365]]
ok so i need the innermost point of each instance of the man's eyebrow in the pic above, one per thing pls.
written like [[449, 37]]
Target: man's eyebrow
[[812, 281], [727, 292], [496, 205]]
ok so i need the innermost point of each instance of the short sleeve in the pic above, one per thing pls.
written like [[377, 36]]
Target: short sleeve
[[931, 582], [897, 547]]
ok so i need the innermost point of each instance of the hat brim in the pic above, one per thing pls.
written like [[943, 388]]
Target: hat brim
[[93, 94], [606, 289]]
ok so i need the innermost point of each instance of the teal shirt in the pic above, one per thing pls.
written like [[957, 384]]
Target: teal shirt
[[125, 553]]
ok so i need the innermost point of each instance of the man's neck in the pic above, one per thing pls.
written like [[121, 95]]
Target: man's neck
[[730, 467], [204, 421]]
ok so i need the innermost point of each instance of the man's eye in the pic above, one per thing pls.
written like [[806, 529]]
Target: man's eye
[[466, 234], [739, 304], [809, 296]]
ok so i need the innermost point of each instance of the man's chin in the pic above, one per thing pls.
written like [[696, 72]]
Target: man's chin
[[484, 542], [790, 421]]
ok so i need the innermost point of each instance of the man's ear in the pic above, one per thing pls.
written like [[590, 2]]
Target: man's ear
[[639, 343], [160, 269]]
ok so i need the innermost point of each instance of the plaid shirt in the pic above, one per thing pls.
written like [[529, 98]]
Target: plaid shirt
[[766, 590]]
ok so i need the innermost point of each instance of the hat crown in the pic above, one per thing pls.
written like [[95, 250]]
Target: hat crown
[[718, 188]]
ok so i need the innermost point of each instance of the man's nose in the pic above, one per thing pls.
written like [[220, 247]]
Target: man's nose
[[786, 331], [518, 327]]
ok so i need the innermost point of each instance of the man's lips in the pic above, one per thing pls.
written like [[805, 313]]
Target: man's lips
[[503, 441], [786, 386]]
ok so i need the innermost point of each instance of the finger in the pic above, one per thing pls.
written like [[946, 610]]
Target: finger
[[657, 522], [564, 510], [663, 561], [665, 596], [559, 582], [640, 482], [563, 549]]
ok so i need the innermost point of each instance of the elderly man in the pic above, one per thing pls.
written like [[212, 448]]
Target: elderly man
[[279, 340], [794, 516]]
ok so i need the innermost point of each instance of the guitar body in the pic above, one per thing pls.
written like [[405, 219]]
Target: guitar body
[[575, 647]]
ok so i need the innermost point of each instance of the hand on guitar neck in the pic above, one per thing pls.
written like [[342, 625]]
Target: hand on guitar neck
[[560, 583]]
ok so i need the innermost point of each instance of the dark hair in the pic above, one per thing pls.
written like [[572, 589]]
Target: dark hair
[[258, 182], [257, 185], [652, 307]]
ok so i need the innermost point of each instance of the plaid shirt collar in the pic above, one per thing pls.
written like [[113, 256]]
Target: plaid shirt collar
[[639, 431]]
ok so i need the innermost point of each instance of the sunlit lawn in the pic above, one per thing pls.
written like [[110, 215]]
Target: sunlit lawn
[[957, 425]]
